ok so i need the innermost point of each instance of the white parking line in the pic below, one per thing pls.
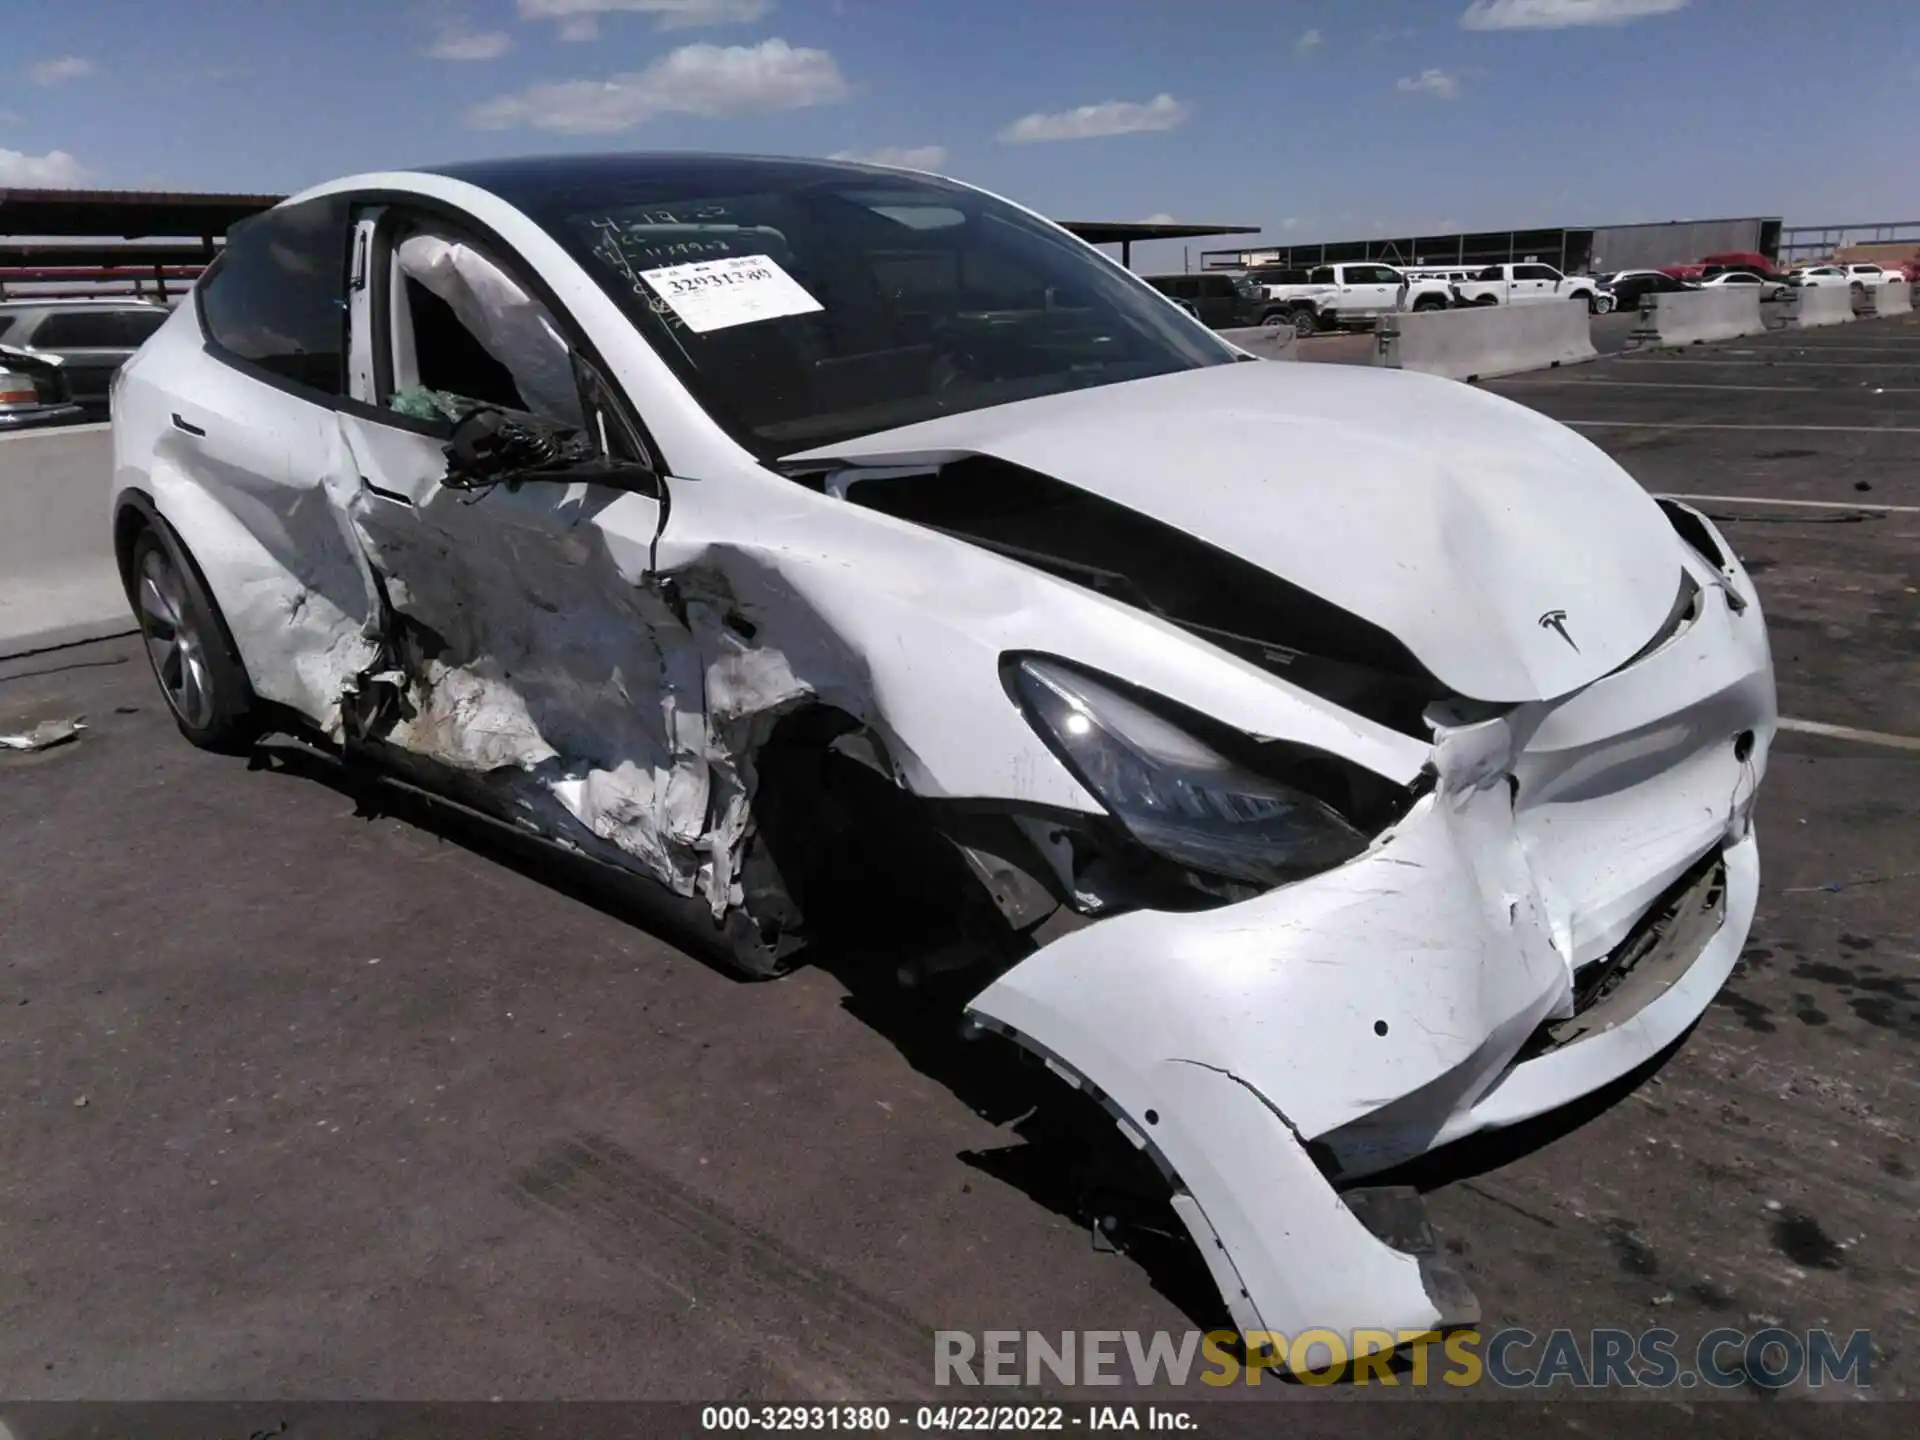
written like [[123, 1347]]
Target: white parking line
[[1762, 501], [1691, 425], [1847, 732]]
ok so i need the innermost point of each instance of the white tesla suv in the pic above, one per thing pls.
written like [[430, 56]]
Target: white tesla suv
[[1329, 763]]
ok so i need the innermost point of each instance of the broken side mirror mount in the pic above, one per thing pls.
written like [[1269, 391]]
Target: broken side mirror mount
[[490, 447]]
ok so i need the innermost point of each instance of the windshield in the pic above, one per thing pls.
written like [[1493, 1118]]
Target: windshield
[[837, 303]]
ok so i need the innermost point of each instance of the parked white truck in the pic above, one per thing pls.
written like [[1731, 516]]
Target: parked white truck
[[1529, 284], [1327, 297]]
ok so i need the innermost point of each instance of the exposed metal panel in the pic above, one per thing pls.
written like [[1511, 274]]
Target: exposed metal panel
[[1635, 247]]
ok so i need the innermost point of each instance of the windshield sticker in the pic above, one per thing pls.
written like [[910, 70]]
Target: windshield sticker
[[737, 290]]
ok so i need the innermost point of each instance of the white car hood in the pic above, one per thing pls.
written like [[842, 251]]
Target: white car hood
[[1512, 557]]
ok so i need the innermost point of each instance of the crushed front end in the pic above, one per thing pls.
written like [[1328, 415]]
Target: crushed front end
[[1560, 904]]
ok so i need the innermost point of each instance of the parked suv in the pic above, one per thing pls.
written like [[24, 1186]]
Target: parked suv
[[93, 338], [1223, 302], [898, 567]]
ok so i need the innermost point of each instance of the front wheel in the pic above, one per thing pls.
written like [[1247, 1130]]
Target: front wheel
[[187, 644], [1305, 323], [1428, 302], [1488, 300]]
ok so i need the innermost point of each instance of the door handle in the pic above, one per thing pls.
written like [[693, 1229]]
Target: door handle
[[180, 424]]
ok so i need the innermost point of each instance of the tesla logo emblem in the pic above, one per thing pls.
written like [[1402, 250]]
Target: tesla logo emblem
[[1556, 621]]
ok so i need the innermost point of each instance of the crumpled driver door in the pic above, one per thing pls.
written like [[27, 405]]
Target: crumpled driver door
[[527, 663]]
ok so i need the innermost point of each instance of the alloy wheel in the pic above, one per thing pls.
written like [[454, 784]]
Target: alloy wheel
[[175, 646]]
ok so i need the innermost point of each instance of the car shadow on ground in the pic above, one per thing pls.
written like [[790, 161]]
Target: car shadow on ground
[[1065, 1155]]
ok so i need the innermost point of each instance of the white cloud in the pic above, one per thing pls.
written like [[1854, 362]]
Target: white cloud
[[1434, 84], [580, 19], [54, 170], [707, 80], [1308, 42], [61, 70], [907, 157], [1290, 224], [1159, 217], [1560, 14], [1091, 122]]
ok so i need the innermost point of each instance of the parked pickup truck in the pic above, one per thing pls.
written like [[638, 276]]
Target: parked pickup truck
[[1330, 296], [1529, 284], [1288, 297]]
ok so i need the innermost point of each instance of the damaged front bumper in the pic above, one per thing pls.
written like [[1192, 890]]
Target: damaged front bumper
[[1559, 909]]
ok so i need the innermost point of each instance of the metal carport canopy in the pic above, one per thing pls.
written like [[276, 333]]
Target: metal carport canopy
[[1124, 232], [126, 214]]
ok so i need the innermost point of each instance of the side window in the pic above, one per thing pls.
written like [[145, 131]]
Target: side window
[[80, 330], [1321, 276], [1492, 272], [277, 295], [137, 325], [1535, 272], [463, 331]]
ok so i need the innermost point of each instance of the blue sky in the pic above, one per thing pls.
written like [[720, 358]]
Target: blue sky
[[1318, 119]]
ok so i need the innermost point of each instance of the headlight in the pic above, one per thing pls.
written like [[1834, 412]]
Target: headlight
[[1174, 792]]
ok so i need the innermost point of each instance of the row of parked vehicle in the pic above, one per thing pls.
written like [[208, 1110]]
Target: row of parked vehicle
[[1330, 297], [58, 357], [1343, 296]]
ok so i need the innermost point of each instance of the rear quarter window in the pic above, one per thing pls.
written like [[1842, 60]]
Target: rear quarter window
[[79, 330], [277, 296]]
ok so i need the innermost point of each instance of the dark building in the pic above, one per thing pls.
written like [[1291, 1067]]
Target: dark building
[[1611, 247]]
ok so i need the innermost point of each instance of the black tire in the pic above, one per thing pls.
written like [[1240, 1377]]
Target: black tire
[[1275, 320], [1428, 302], [188, 645], [1305, 322], [1488, 300]]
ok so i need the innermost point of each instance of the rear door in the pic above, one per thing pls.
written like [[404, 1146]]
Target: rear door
[[1218, 301], [1535, 283], [242, 445], [1378, 287]]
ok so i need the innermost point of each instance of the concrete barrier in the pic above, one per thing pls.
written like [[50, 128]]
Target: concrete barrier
[[1484, 341], [1893, 298], [1697, 317], [58, 585], [1269, 342], [1811, 305]]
